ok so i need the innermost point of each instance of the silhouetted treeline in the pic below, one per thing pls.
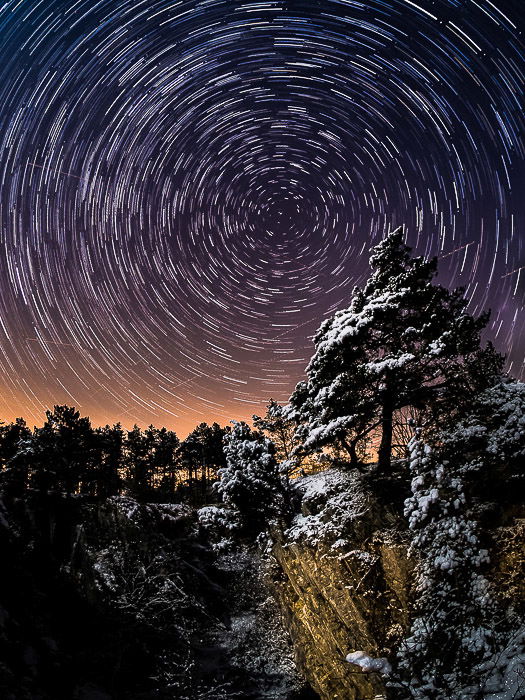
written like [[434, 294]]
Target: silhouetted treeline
[[68, 455]]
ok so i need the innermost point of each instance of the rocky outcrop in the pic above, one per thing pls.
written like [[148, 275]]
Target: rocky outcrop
[[508, 563], [341, 575]]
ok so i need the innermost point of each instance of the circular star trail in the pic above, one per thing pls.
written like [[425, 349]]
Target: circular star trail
[[189, 187]]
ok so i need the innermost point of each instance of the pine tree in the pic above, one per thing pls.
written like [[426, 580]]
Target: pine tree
[[61, 451], [203, 451], [138, 462], [165, 461], [10, 437], [250, 482], [14, 469], [110, 460], [281, 431], [403, 343]]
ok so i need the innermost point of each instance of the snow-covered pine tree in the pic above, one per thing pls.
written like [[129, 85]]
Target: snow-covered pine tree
[[250, 483], [452, 630], [490, 439], [15, 458], [403, 343], [463, 643]]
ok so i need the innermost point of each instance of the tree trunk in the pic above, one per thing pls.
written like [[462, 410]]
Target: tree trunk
[[384, 457], [204, 475], [354, 460], [352, 451]]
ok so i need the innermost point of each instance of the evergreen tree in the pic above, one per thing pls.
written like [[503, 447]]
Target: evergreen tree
[[110, 460], [10, 437], [203, 451], [151, 460], [138, 462], [15, 471], [250, 482], [164, 460], [61, 451], [403, 343]]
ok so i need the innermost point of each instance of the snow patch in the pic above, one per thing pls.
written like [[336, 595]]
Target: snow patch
[[368, 664]]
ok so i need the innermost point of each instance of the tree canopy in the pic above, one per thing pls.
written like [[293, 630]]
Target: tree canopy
[[404, 343]]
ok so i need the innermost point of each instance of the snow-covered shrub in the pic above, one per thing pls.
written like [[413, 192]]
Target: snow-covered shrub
[[331, 503], [251, 483], [145, 587], [218, 517], [220, 523]]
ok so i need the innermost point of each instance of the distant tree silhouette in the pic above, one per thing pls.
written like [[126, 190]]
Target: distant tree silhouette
[[151, 463], [61, 452], [109, 442], [164, 461], [15, 472], [202, 454], [138, 463]]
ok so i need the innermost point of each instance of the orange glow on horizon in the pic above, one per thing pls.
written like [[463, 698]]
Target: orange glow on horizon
[[183, 424]]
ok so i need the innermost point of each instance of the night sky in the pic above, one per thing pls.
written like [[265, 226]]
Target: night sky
[[189, 188]]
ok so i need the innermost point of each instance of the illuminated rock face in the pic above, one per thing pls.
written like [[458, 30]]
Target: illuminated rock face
[[508, 558], [336, 604]]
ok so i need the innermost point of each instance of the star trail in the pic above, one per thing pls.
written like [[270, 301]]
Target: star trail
[[189, 188]]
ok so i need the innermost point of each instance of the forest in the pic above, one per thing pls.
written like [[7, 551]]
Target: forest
[[122, 535]]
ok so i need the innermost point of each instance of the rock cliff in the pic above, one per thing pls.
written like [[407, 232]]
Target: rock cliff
[[342, 575]]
